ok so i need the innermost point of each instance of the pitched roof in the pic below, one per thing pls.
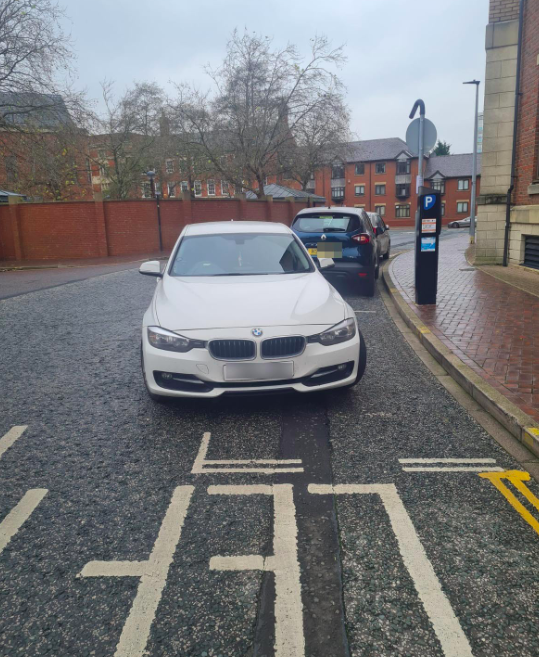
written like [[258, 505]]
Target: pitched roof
[[375, 149], [279, 191], [39, 111], [452, 166]]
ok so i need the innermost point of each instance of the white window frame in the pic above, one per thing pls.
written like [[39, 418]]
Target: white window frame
[[398, 206], [173, 186], [184, 186], [146, 185], [359, 173], [225, 188], [463, 185], [380, 185], [197, 185], [380, 209], [169, 165], [461, 204], [210, 184], [379, 164], [361, 192]]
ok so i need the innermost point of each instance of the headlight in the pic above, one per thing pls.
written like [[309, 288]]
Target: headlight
[[342, 332], [160, 338]]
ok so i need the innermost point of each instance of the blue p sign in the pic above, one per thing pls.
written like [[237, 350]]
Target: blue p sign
[[429, 201]]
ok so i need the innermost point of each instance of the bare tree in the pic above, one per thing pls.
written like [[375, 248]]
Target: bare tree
[[126, 140], [320, 140], [35, 63], [261, 102]]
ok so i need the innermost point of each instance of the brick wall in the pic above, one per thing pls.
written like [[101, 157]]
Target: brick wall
[[527, 164], [61, 231], [503, 10]]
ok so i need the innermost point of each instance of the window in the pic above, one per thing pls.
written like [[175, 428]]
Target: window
[[101, 154], [443, 209], [171, 190], [402, 211], [359, 190], [337, 171], [224, 188], [11, 168], [146, 190], [403, 167], [184, 186], [380, 209], [403, 191], [337, 192], [103, 170], [198, 188], [380, 167], [438, 185], [211, 187], [464, 184], [462, 207], [240, 254], [360, 169], [169, 166], [380, 190], [327, 223]]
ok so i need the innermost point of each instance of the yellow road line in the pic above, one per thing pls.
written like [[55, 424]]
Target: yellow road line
[[516, 477]]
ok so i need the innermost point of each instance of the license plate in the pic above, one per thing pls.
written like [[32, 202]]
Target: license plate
[[313, 251], [329, 250], [258, 371]]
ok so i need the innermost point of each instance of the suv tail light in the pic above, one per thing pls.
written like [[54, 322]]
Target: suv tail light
[[363, 238]]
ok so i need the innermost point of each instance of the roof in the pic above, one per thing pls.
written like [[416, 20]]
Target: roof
[[452, 166], [279, 191], [333, 208], [375, 149], [4, 192], [40, 111], [219, 227]]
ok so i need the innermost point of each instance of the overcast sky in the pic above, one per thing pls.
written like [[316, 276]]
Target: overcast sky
[[397, 50]]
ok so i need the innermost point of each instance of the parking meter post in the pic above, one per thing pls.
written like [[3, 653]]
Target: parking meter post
[[419, 103], [428, 228]]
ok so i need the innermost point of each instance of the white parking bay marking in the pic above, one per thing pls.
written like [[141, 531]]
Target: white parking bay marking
[[10, 438], [449, 465], [202, 465], [446, 625], [153, 575], [289, 636], [15, 519]]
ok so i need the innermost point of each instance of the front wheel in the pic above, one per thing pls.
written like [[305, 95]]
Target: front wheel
[[362, 363], [386, 254]]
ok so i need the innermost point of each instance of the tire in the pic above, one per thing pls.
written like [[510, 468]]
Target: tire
[[452, 225], [377, 270], [158, 399], [367, 287], [386, 255], [362, 364]]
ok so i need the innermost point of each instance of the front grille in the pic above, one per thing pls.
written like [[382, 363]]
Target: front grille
[[283, 347], [232, 349]]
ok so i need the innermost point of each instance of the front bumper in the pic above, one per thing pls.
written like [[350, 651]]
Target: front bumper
[[197, 374]]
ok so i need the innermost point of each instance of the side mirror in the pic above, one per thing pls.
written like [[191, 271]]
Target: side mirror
[[387, 227], [151, 268], [326, 263]]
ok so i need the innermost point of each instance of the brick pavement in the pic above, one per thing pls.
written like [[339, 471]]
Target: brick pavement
[[491, 326]]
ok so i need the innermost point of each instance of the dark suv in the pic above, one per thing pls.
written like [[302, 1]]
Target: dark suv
[[346, 235]]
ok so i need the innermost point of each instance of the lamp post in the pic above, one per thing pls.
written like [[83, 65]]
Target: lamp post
[[474, 160], [156, 195]]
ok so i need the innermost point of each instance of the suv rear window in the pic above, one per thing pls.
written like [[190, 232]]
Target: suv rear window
[[327, 223]]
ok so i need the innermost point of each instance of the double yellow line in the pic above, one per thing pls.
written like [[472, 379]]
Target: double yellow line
[[516, 478]]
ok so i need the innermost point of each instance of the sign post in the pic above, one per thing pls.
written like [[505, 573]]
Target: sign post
[[428, 229]]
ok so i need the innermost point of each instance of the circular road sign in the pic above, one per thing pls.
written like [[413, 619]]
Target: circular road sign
[[429, 138]]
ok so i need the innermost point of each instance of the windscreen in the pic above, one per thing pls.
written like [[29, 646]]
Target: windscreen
[[245, 254], [327, 223]]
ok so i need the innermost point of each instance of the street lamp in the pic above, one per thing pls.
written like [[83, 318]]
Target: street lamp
[[155, 195], [474, 160]]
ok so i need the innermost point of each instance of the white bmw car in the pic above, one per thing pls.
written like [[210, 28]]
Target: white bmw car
[[240, 308]]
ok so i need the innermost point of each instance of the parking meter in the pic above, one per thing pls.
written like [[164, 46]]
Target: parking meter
[[428, 227]]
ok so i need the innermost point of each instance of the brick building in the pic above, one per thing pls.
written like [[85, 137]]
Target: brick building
[[380, 176], [510, 184]]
